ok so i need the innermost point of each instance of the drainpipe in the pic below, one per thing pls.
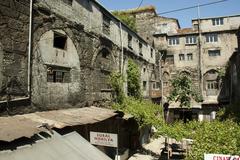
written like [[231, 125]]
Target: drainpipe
[[121, 39], [200, 52], [30, 48], [160, 72]]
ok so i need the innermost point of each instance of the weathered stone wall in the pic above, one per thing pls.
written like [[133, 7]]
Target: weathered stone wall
[[148, 24], [88, 59], [14, 22], [231, 83]]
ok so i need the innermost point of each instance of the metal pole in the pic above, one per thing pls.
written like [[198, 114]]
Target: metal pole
[[121, 39], [200, 51], [30, 48]]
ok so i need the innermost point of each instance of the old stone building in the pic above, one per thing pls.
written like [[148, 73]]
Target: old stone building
[[231, 82], [74, 47], [202, 52]]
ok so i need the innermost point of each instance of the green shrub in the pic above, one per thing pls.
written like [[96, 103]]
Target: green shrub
[[144, 111], [116, 81], [133, 80], [129, 20]]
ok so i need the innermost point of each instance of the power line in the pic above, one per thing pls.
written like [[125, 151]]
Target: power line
[[140, 4], [195, 6]]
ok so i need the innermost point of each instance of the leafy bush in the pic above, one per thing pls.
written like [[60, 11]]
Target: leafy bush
[[116, 81], [215, 137], [133, 80], [144, 111], [183, 91], [220, 137], [129, 20]]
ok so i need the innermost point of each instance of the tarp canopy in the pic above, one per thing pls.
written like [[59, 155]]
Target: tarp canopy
[[27, 125], [67, 147]]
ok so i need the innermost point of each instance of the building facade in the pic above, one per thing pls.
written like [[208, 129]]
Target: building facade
[[201, 52], [75, 46]]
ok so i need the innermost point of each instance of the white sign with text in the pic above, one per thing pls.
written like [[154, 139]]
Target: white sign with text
[[104, 139], [220, 157]]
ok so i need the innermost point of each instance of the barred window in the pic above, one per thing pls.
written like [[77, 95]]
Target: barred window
[[58, 74]]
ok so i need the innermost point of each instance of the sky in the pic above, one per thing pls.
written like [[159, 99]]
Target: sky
[[229, 7]]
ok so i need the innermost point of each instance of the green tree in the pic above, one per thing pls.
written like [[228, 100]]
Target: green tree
[[133, 80], [183, 91]]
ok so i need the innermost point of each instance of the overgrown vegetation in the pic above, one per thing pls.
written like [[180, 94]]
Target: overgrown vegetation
[[219, 136], [183, 91], [116, 82], [128, 19], [144, 111], [133, 80]]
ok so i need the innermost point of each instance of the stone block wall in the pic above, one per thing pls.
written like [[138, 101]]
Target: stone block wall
[[14, 24]]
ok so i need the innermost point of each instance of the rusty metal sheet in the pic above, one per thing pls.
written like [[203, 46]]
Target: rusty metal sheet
[[15, 127], [68, 147], [28, 124]]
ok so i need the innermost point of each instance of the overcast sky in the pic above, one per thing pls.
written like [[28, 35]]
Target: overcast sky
[[229, 7]]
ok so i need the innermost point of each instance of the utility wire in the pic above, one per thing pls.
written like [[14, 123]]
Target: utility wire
[[195, 6], [140, 4]]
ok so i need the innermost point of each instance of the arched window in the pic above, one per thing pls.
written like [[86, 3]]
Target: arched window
[[211, 83], [103, 67]]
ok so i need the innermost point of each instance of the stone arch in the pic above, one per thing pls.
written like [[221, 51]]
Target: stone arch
[[211, 82], [103, 65], [55, 70], [104, 50]]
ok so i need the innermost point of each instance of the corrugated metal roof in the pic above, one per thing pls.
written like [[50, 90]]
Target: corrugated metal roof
[[68, 147], [27, 125]]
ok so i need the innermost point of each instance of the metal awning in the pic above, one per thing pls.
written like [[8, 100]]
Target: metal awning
[[67, 147], [27, 125]]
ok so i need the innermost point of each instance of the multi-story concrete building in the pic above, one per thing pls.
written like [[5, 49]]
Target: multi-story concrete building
[[202, 52]]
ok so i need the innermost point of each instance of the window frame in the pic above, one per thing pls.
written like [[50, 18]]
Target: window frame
[[57, 74], [181, 57], [189, 55], [144, 85], [217, 21], [169, 59], [58, 37], [191, 40], [130, 40], [214, 53], [211, 38], [173, 41]]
